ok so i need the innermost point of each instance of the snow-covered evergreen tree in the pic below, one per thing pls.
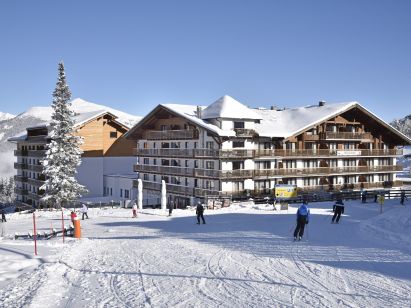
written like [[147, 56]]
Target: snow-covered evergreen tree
[[63, 153]]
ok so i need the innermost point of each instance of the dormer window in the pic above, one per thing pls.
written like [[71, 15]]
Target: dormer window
[[238, 124], [113, 134]]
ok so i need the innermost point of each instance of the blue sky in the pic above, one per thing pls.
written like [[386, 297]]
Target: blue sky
[[133, 55]]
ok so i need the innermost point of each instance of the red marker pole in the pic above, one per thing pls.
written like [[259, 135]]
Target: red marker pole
[[35, 233], [62, 222]]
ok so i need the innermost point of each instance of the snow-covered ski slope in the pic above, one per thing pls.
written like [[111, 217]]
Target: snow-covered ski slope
[[243, 257]]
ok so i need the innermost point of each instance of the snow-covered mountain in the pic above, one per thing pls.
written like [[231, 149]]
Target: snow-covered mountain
[[6, 116], [13, 125], [403, 125]]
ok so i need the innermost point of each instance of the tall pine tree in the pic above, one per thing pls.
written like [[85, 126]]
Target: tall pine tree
[[63, 153]]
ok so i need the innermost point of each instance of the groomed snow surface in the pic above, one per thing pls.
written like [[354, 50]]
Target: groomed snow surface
[[243, 257]]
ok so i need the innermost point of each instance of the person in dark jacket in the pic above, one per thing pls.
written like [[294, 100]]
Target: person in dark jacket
[[3, 216], [200, 213], [303, 216], [403, 197], [363, 196], [338, 209], [170, 208]]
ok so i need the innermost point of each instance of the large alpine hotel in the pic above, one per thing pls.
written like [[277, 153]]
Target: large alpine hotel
[[227, 148]]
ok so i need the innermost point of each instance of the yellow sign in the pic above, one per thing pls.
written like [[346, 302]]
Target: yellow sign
[[285, 191]]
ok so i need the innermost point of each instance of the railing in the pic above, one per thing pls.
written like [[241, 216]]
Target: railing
[[359, 185], [35, 182], [240, 173], [324, 170], [172, 134], [20, 178], [346, 135], [37, 168], [264, 153], [20, 152], [203, 192], [164, 170], [245, 132], [310, 137], [20, 166], [36, 153], [20, 191], [326, 153], [208, 173]]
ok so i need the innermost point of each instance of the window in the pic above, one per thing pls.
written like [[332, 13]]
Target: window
[[146, 161], [210, 145], [238, 124], [113, 134], [154, 161], [186, 181], [209, 165], [163, 127], [195, 182], [154, 178], [121, 193], [145, 177], [186, 163], [238, 144], [186, 145], [196, 164], [238, 165], [111, 191], [195, 145], [126, 193]]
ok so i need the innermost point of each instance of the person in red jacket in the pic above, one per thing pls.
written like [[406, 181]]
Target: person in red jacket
[[73, 216]]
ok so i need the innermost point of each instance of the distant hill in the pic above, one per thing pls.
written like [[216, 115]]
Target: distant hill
[[11, 125]]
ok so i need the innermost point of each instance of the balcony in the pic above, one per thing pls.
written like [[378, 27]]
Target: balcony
[[36, 153], [236, 174], [172, 134], [325, 153], [38, 168], [345, 136], [20, 191], [245, 133], [20, 166], [295, 172], [203, 192], [20, 178], [35, 182], [20, 152], [310, 137], [164, 152], [166, 170]]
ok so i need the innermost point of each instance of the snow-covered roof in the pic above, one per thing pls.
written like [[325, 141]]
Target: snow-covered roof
[[190, 113], [288, 122], [229, 108]]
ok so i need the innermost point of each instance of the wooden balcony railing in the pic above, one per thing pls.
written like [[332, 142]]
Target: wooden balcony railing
[[310, 137], [172, 134], [38, 168], [20, 191], [20, 152], [164, 170], [357, 185], [36, 153], [20, 178], [244, 154], [346, 136], [20, 166], [245, 132], [35, 182]]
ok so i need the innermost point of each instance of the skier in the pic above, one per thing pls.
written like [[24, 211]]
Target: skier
[[338, 209], [3, 216], [200, 212], [303, 216], [84, 210], [170, 208], [403, 197], [363, 196], [2, 228], [135, 210]]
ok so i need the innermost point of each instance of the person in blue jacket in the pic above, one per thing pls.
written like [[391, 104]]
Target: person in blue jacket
[[303, 216]]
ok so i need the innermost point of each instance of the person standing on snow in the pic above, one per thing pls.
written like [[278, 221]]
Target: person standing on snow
[[403, 197], [73, 216], [303, 216], [338, 209], [3, 216], [200, 212], [135, 210], [170, 208], [84, 210]]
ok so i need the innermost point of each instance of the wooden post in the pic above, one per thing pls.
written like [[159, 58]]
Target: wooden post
[[34, 233]]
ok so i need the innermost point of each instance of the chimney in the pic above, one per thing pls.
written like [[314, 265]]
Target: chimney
[[321, 103], [199, 112]]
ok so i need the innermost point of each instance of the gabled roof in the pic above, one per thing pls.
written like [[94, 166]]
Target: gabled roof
[[289, 122], [188, 112], [79, 120], [229, 108]]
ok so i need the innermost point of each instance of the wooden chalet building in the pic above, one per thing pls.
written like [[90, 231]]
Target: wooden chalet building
[[105, 152], [227, 148]]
